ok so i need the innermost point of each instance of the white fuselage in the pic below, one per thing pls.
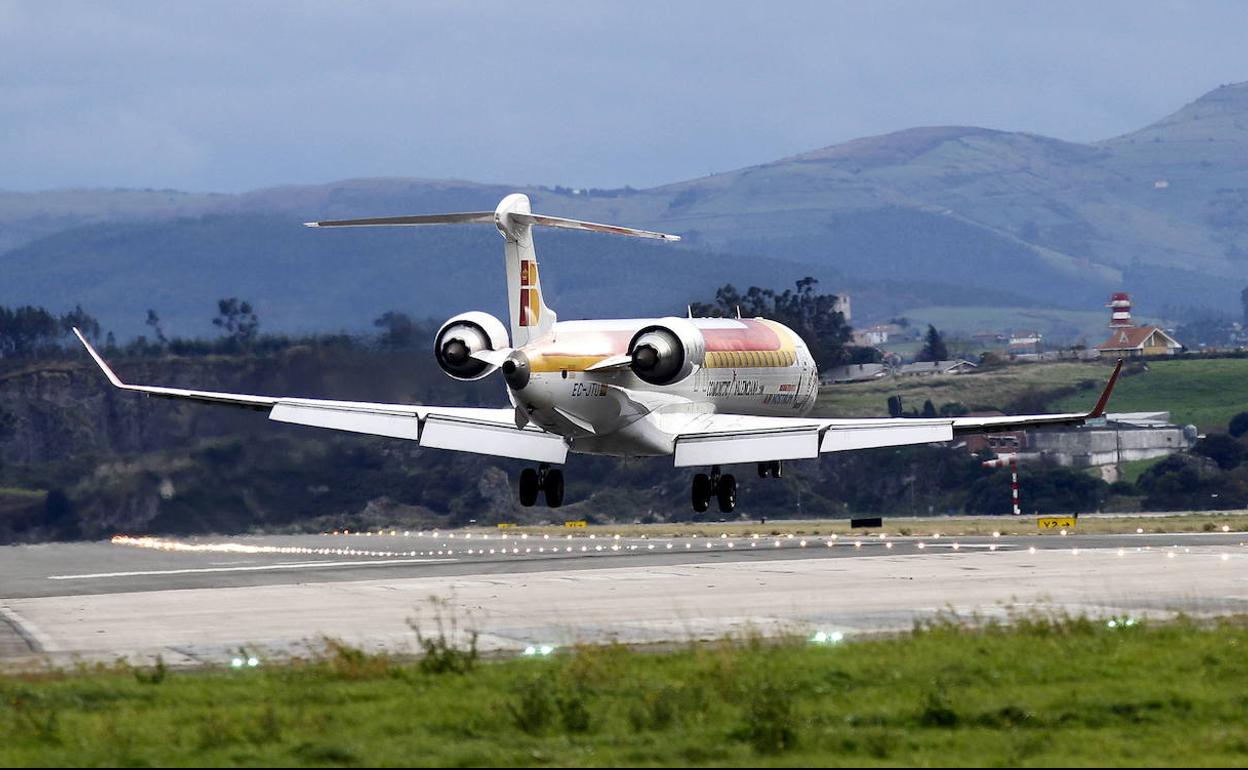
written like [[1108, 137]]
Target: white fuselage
[[749, 367]]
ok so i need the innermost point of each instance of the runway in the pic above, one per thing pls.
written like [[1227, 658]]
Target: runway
[[201, 600]]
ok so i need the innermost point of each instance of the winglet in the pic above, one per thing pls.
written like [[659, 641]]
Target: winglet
[[113, 378], [1103, 401]]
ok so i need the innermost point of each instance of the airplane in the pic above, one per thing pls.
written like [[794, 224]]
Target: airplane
[[708, 392]]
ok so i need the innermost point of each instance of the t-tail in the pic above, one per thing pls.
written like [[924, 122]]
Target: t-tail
[[530, 316]]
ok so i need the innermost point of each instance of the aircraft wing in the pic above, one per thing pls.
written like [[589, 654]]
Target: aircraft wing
[[725, 439], [466, 429]]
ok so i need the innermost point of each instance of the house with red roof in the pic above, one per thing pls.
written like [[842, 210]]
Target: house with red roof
[[1126, 340], [1132, 341]]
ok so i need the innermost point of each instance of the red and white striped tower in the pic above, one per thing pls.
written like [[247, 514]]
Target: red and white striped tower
[[1119, 310], [1000, 462]]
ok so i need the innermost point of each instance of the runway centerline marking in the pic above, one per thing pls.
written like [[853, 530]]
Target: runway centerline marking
[[257, 568]]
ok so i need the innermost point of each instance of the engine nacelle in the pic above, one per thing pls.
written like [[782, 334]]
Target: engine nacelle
[[463, 335], [667, 352]]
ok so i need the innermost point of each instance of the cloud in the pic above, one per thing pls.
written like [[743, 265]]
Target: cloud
[[231, 95]]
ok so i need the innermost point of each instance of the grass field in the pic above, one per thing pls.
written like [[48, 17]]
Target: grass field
[[992, 388], [1203, 392], [1052, 692], [962, 321], [1133, 469]]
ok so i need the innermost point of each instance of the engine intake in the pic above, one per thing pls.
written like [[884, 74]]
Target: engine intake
[[465, 335], [667, 352]]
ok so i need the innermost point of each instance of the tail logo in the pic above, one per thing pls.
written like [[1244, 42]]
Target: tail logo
[[530, 294]]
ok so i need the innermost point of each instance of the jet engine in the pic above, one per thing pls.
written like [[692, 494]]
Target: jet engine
[[667, 352], [467, 334]]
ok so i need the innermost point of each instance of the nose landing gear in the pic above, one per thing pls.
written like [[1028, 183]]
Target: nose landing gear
[[721, 486], [544, 479]]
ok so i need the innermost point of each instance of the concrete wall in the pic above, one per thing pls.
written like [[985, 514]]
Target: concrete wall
[[1106, 446]]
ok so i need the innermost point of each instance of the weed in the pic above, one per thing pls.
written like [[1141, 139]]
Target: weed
[[1006, 717], [936, 710], [154, 675], [534, 707], [325, 754], [351, 663], [573, 710], [442, 651], [769, 722], [38, 718]]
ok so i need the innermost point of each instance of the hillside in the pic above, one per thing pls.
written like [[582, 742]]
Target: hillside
[[1010, 218]]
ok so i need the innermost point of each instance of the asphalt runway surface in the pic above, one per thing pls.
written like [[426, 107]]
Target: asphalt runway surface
[[201, 600]]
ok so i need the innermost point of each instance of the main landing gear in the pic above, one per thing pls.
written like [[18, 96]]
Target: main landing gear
[[722, 486], [544, 479]]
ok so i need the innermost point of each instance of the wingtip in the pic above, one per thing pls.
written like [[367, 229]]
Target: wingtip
[[1103, 401], [99, 360], [311, 224]]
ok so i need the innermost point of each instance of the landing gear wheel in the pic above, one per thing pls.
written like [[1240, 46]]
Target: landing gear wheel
[[770, 468], [553, 485], [528, 487], [727, 493], [701, 492]]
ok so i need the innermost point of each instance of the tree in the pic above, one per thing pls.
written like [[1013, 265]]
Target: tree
[[237, 319], [895, 408], [79, 319], [153, 321], [59, 515], [8, 428], [398, 331], [929, 409], [814, 316], [953, 409], [1222, 449], [934, 346], [26, 330], [1239, 425]]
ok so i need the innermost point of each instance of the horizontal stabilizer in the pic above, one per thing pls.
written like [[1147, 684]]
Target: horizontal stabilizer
[[576, 224], [469, 218], [492, 218]]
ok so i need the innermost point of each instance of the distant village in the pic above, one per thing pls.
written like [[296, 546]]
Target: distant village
[[1103, 444], [1126, 339]]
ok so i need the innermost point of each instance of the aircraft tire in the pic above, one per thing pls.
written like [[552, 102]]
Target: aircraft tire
[[727, 493], [554, 488], [701, 492], [528, 487]]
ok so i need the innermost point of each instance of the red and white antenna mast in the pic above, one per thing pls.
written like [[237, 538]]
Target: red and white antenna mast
[[1001, 461], [1119, 310]]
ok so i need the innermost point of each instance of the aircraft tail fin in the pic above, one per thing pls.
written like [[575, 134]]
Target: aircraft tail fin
[[530, 317]]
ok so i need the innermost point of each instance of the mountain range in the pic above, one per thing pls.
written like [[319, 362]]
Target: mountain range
[[921, 218]]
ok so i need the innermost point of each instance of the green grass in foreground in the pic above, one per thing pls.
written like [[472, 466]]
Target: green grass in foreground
[[1042, 692]]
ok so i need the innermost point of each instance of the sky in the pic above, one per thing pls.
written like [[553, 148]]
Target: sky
[[230, 96]]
